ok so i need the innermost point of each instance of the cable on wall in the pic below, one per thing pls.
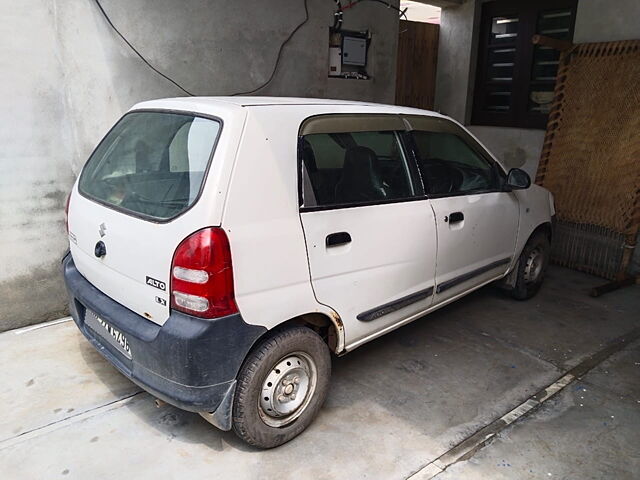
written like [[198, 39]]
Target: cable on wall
[[106, 17], [275, 67], [269, 80]]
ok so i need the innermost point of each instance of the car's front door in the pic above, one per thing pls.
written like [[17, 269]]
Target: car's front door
[[477, 221], [370, 236]]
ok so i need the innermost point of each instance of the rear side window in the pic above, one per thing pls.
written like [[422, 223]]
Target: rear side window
[[353, 168], [449, 166], [151, 164]]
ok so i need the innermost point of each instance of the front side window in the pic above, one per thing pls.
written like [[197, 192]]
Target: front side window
[[353, 168], [449, 166], [151, 164]]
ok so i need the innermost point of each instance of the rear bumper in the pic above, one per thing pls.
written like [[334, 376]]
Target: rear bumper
[[188, 362]]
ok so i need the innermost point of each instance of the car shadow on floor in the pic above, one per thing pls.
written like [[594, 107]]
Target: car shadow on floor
[[168, 420], [441, 377]]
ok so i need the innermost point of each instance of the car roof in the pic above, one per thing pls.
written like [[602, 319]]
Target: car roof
[[234, 107], [255, 101], [213, 105], [249, 101]]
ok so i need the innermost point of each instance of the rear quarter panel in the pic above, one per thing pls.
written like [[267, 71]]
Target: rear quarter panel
[[261, 218]]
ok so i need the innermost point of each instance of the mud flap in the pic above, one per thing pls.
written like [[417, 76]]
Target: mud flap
[[222, 417]]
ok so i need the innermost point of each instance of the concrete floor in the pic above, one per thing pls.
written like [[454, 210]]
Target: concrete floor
[[396, 404]]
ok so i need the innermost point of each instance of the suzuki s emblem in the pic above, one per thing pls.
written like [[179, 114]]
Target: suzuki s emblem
[[102, 230]]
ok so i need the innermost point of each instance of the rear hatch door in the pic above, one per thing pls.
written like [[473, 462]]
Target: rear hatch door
[[137, 198]]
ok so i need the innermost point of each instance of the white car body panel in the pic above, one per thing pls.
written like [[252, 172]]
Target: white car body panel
[[252, 191], [536, 208], [271, 272], [486, 236], [380, 263]]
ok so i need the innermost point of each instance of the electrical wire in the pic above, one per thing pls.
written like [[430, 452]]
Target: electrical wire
[[106, 17], [275, 67], [269, 80], [337, 23]]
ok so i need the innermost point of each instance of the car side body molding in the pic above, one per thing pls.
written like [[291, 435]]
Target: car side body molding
[[469, 275], [387, 308]]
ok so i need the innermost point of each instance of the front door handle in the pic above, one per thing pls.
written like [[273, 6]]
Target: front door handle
[[455, 217], [338, 238]]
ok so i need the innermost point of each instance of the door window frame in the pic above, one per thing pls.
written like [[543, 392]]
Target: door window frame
[[354, 123], [417, 123], [337, 123], [496, 168]]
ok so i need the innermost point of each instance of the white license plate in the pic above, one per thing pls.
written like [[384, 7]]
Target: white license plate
[[111, 334]]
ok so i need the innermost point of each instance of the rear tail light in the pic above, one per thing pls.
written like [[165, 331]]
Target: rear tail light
[[202, 275], [66, 212]]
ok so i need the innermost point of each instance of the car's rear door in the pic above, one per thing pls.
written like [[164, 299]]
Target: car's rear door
[[129, 211], [477, 220], [369, 230]]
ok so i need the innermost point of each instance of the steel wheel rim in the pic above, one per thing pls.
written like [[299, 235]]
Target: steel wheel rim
[[534, 266], [287, 389]]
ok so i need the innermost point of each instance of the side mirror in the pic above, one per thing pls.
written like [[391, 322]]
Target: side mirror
[[518, 179]]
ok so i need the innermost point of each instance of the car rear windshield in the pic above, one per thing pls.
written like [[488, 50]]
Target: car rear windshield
[[151, 164]]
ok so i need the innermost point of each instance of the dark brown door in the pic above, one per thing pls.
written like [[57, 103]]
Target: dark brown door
[[417, 59]]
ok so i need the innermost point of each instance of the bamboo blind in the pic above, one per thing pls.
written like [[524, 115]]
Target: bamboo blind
[[591, 157]]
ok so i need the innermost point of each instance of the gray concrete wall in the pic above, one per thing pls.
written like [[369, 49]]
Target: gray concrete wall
[[455, 55], [516, 147], [607, 21], [66, 77], [596, 21]]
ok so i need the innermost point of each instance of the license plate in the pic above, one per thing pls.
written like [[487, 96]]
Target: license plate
[[106, 331]]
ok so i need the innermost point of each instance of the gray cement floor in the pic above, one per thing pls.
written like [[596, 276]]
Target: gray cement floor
[[395, 405]]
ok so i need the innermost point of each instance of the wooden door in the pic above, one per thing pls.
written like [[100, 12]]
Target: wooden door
[[416, 68]]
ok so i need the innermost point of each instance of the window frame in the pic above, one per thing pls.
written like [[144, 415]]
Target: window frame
[[445, 125], [495, 167], [528, 12], [142, 216], [410, 154], [412, 176]]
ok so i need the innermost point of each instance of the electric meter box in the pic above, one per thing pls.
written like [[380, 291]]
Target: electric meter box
[[354, 51], [335, 61]]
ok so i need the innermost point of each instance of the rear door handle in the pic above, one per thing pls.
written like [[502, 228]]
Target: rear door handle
[[338, 238], [455, 217]]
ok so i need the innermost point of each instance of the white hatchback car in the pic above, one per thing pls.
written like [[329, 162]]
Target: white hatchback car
[[221, 248]]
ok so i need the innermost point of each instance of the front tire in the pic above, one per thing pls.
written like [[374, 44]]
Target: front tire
[[281, 387], [532, 266]]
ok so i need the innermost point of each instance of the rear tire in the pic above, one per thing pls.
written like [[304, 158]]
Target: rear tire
[[281, 387], [532, 267]]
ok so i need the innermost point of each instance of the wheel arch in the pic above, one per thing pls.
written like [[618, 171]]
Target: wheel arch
[[545, 227], [329, 326]]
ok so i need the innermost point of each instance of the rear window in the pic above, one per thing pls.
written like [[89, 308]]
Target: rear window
[[151, 164]]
